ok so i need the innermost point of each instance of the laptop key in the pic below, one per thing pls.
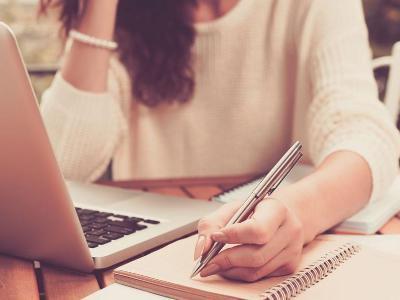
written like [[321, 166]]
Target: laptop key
[[84, 223], [124, 224], [112, 235], [96, 239], [97, 225], [135, 219], [140, 227], [121, 216], [85, 217], [87, 212], [154, 222], [92, 245], [121, 230], [100, 220], [114, 218], [86, 228], [102, 214], [97, 232]]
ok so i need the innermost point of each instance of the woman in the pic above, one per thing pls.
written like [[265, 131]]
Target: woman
[[205, 88]]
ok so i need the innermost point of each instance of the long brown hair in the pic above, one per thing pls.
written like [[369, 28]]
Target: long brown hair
[[155, 40]]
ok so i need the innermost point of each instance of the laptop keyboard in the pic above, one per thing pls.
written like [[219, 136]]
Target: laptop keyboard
[[102, 227]]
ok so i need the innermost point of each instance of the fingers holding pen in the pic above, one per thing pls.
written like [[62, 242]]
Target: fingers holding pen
[[264, 222], [259, 229], [282, 264], [213, 223], [245, 256], [270, 244]]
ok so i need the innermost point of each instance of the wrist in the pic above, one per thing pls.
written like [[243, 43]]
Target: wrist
[[99, 19], [298, 197]]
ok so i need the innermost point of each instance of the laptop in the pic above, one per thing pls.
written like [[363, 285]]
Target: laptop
[[69, 224]]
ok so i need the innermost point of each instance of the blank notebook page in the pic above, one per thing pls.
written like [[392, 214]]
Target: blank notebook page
[[368, 274]]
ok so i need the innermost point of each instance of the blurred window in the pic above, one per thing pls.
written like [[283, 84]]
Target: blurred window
[[37, 38]]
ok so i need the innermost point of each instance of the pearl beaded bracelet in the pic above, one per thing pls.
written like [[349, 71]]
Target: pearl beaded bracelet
[[92, 41]]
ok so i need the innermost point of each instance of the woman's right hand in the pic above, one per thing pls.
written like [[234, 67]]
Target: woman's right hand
[[268, 244]]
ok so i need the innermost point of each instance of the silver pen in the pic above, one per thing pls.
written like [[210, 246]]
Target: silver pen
[[264, 188]]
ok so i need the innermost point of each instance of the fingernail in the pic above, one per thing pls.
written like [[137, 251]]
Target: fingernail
[[209, 270], [219, 236], [201, 242]]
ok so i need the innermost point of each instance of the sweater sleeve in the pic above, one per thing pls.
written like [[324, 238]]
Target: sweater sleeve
[[84, 128], [345, 113]]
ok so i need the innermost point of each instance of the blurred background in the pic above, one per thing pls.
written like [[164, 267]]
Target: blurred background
[[38, 37]]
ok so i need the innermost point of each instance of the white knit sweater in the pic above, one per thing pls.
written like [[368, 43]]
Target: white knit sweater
[[267, 73]]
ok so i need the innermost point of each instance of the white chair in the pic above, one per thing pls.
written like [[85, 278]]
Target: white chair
[[392, 89]]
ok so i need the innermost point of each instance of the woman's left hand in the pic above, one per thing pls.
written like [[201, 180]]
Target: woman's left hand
[[270, 242]]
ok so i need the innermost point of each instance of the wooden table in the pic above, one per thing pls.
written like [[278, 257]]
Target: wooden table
[[21, 279]]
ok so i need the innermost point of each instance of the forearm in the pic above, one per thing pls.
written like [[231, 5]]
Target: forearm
[[339, 187], [85, 66], [270, 243]]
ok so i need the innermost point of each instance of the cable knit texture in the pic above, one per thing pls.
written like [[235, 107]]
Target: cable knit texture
[[267, 73]]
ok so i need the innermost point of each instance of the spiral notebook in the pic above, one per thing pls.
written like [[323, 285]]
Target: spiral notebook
[[329, 269]]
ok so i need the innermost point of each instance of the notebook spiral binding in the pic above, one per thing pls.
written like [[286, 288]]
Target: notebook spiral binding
[[312, 274]]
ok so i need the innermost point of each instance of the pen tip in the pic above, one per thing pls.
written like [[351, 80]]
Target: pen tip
[[196, 270], [194, 274]]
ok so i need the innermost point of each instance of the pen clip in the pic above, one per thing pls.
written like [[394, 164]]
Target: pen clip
[[285, 172], [281, 176]]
